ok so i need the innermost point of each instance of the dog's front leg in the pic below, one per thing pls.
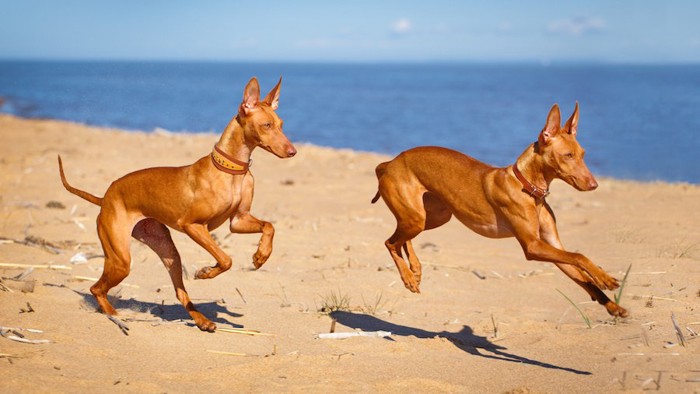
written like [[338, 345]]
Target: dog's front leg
[[200, 234], [248, 224], [245, 223], [526, 228], [549, 233], [242, 222]]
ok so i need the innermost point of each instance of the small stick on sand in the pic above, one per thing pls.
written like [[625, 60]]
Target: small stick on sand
[[654, 297], [25, 340], [8, 332], [5, 288], [344, 335], [645, 336], [20, 329], [679, 332], [46, 266], [241, 294], [245, 332], [122, 326], [498, 275], [185, 273], [24, 274], [78, 277], [227, 353], [478, 274]]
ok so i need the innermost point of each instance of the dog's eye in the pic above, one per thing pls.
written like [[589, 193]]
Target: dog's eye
[[267, 125], [569, 156]]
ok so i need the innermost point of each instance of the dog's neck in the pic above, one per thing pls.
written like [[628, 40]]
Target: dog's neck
[[533, 169], [232, 153], [233, 142]]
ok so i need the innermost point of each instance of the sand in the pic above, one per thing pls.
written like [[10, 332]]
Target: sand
[[487, 320]]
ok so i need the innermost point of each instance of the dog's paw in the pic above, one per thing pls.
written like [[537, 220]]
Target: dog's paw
[[203, 273], [616, 310], [411, 284], [259, 258], [207, 325], [602, 279], [417, 276], [609, 283], [202, 322]]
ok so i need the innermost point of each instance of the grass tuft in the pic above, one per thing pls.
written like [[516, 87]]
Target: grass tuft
[[335, 302], [585, 317], [372, 307], [618, 296]]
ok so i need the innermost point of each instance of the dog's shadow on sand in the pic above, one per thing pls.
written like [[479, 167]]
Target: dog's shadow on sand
[[173, 312], [465, 339]]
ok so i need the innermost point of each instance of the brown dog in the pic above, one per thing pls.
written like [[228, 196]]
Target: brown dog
[[423, 187], [194, 199]]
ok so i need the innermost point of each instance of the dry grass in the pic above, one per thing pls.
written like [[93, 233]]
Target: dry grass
[[628, 236], [373, 306], [585, 317], [618, 295], [679, 250], [333, 302]]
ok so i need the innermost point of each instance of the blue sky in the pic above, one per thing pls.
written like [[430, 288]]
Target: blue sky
[[357, 31]]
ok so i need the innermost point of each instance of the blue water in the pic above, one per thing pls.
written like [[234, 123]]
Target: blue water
[[637, 122]]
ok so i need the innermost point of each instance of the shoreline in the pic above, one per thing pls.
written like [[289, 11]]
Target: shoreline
[[483, 307], [165, 132]]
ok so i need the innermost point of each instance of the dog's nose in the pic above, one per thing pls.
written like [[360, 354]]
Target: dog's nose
[[592, 184], [291, 151]]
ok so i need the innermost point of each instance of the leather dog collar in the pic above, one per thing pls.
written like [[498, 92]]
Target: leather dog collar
[[228, 164], [528, 187]]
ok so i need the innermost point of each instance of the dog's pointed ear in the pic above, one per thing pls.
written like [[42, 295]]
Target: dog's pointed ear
[[273, 98], [551, 128], [572, 123], [251, 96]]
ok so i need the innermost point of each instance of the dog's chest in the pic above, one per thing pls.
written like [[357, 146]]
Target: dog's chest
[[229, 199], [223, 208]]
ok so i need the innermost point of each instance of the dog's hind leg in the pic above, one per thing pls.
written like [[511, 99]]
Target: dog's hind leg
[[436, 214], [115, 244], [394, 245], [157, 237], [413, 262], [406, 203]]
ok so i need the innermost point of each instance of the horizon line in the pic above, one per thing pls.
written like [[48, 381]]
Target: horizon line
[[542, 62]]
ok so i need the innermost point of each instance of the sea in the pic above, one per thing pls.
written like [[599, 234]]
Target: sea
[[637, 122]]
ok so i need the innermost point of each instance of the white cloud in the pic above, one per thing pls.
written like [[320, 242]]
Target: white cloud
[[401, 26], [577, 26]]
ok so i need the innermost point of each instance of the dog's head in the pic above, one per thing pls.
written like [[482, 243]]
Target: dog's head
[[261, 125], [562, 154]]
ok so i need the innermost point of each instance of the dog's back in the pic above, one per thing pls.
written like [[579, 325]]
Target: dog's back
[[420, 165]]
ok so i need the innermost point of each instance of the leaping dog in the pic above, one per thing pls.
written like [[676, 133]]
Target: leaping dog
[[425, 186]]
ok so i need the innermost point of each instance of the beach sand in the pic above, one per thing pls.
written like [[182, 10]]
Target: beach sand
[[487, 319]]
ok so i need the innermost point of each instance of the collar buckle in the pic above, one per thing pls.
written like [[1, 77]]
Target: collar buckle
[[529, 187]]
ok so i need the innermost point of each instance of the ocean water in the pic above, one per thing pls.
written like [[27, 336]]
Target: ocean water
[[637, 122]]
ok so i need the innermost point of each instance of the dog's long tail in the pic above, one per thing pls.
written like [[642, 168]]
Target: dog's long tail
[[82, 194], [380, 170]]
